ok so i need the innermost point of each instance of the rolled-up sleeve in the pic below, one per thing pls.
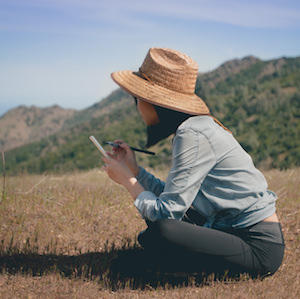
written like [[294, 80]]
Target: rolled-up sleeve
[[192, 159], [150, 182]]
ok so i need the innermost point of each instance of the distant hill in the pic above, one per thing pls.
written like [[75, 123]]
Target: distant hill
[[259, 101], [24, 125]]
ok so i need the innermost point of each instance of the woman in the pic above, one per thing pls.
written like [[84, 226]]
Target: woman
[[214, 212]]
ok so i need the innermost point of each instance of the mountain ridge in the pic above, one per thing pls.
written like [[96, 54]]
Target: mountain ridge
[[17, 130], [258, 100], [23, 125]]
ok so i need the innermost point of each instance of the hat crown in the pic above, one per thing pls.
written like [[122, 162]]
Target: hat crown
[[170, 69]]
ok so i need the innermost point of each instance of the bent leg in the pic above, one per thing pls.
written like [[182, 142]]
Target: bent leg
[[187, 244]]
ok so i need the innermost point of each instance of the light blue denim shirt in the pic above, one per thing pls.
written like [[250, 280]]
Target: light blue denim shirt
[[210, 172]]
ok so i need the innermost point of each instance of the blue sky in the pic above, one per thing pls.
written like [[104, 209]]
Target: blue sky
[[63, 51]]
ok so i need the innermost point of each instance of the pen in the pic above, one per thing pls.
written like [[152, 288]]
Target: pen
[[133, 148]]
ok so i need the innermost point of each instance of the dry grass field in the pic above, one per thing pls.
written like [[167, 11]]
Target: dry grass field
[[74, 236]]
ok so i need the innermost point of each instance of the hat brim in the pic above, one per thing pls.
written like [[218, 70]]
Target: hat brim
[[160, 96]]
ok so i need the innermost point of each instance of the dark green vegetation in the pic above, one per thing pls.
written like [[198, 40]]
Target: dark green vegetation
[[261, 105], [259, 101]]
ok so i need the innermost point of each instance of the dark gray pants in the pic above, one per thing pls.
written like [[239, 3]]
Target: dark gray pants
[[185, 246]]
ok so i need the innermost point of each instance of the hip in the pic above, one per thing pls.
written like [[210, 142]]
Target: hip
[[265, 231]]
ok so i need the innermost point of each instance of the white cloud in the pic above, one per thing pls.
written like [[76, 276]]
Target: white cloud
[[266, 14], [67, 48], [255, 13]]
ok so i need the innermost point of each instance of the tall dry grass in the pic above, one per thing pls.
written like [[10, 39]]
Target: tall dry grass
[[74, 236]]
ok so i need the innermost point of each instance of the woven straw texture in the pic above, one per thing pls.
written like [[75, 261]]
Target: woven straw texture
[[166, 78]]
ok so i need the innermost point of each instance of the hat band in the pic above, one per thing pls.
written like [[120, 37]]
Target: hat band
[[145, 76]]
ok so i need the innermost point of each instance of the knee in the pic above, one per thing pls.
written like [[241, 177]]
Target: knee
[[162, 228], [156, 232]]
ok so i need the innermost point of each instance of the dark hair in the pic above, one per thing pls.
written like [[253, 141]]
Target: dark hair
[[169, 121]]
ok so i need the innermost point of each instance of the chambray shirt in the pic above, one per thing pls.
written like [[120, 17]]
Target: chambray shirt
[[210, 172]]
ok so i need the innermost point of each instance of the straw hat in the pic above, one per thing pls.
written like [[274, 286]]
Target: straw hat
[[167, 78]]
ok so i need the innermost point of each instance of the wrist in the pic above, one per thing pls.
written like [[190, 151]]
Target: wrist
[[133, 187], [132, 181]]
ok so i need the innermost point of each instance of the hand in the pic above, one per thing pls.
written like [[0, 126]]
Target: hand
[[121, 174], [117, 170], [126, 155]]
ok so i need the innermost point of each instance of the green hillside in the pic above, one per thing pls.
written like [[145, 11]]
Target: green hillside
[[261, 105], [259, 101]]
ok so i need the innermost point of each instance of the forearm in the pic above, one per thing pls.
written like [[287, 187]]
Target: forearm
[[133, 187]]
